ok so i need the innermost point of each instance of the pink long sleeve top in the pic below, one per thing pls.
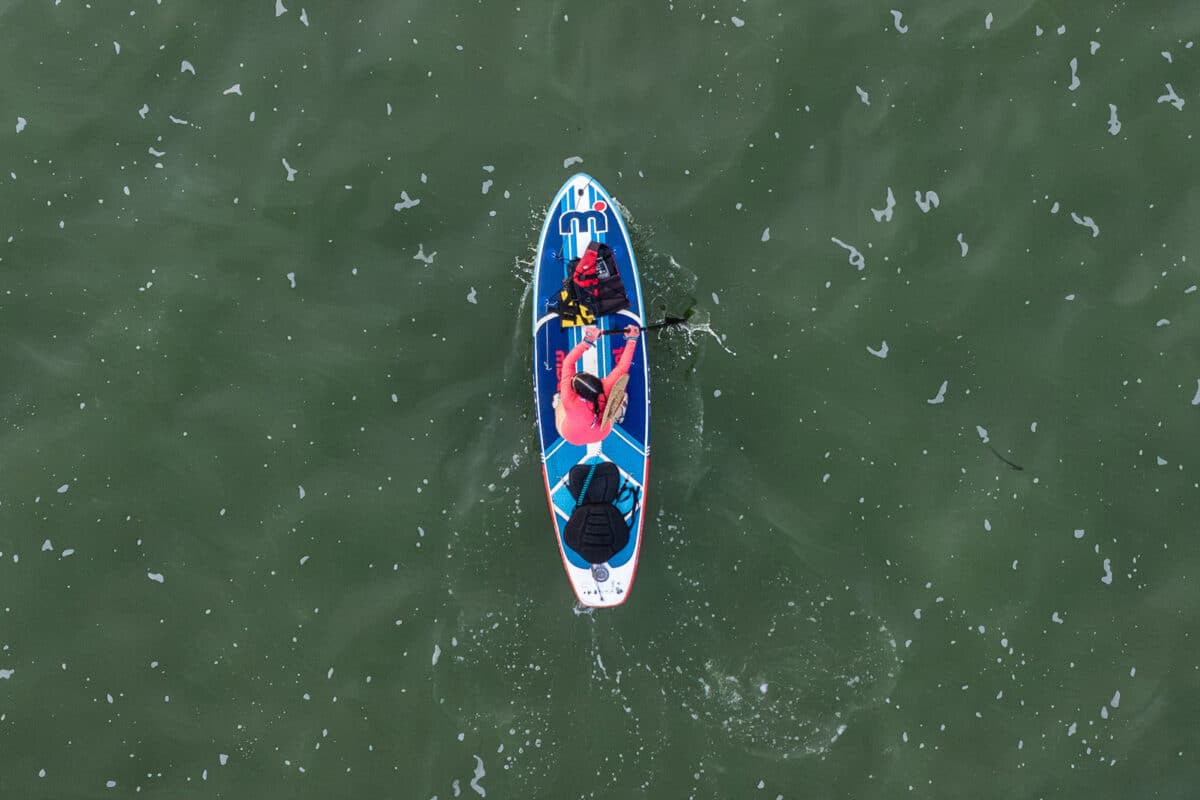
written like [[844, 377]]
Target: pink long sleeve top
[[579, 425]]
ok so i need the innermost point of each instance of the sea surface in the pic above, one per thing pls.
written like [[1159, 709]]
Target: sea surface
[[924, 511]]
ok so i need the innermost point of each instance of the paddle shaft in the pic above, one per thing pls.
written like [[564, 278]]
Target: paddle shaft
[[665, 323]]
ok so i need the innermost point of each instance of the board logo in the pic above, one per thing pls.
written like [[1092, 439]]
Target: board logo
[[578, 222]]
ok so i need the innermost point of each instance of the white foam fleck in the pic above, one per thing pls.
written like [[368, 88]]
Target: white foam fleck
[[291, 276], [223, 758], [1086, 222], [291, 173], [766, 235], [1108, 575], [389, 109], [1037, 30], [301, 488], [1114, 124], [930, 201], [144, 110], [1167, 55], [63, 489], [280, 10], [1033, 426], [304, 16], [186, 66], [235, 89], [1116, 699], [737, 21], [177, 120], [487, 185], [571, 161], [47, 546], [1074, 75], [856, 258], [882, 352], [1094, 45], [897, 16], [479, 773], [1071, 729], [156, 153], [963, 247], [987, 21], [916, 613], [1055, 617], [110, 784], [862, 95], [987, 524], [303, 560], [941, 394], [20, 124], [157, 577], [1162, 323], [420, 256], [1079, 533], [117, 47], [70, 551], [1062, 29], [437, 653], [885, 214], [471, 296], [1162, 462], [983, 434], [1172, 98], [6, 674], [1196, 399], [406, 202]]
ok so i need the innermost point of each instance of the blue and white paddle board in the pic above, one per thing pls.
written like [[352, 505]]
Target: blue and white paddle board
[[583, 212]]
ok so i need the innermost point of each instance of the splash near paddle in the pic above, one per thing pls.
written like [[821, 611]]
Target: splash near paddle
[[585, 274]]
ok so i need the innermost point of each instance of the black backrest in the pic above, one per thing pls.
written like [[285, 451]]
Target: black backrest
[[606, 482]]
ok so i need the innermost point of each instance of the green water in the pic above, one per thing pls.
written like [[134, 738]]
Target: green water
[[271, 516]]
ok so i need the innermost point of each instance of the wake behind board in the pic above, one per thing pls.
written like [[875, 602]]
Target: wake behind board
[[582, 213]]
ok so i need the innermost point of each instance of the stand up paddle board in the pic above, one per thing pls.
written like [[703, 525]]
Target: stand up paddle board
[[612, 471]]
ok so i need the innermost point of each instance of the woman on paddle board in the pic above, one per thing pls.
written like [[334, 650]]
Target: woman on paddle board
[[582, 396]]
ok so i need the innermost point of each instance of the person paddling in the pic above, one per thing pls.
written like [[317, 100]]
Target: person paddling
[[582, 396]]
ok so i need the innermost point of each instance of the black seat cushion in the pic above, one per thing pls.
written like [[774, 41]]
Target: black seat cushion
[[596, 531]]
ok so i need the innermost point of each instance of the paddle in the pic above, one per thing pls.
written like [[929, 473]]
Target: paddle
[[613, 404], [666, 323]]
